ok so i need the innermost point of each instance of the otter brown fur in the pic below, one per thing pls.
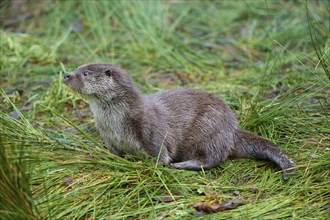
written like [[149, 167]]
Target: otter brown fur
[[187, 128]]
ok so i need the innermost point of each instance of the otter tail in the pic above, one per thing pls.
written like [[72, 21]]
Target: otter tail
[[249, 145]]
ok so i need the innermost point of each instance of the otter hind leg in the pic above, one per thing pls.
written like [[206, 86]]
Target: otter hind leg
[[193, 165]]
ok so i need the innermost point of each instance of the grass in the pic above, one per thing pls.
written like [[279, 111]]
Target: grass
[[269, 60]]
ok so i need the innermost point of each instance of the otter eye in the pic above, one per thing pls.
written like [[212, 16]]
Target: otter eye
[[85, 73], [108, 72]]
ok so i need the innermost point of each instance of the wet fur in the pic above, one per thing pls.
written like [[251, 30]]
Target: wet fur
[[187, 128]]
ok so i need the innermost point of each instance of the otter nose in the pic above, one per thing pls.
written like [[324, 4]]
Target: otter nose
[[67, 76]]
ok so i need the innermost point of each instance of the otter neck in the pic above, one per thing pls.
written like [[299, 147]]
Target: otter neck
[[127, 102]]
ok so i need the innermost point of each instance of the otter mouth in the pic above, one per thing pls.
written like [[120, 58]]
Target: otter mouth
[[73, 86], [67, 80]]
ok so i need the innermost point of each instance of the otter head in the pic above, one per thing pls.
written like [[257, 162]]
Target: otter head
[[98, 80]]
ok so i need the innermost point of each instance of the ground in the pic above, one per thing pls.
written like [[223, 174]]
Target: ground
[[268, 59]]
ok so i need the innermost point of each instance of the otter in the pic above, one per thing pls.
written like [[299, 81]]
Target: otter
[[186, 128]]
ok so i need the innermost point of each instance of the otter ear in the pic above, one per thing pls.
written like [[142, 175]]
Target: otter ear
[[108, 72]]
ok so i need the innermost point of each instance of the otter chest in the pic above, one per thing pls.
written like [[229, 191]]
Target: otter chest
[[113, 129]]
